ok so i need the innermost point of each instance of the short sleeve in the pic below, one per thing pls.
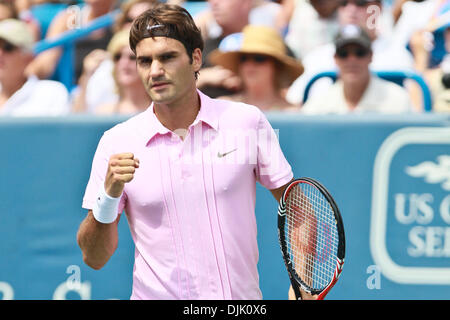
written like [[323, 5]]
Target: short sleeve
[[272, 170], [98, 173]]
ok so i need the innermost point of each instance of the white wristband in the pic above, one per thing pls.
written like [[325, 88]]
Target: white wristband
[[106, 207]]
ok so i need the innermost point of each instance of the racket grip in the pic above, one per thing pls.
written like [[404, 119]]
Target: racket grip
[[296, 289]]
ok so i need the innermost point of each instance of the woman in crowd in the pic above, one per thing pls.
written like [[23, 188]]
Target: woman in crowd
[[263, 65], [131, 92]]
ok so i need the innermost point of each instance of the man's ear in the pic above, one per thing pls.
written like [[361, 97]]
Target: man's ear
[[197, 59]]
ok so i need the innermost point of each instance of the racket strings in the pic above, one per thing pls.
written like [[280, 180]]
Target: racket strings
[[312, 238]]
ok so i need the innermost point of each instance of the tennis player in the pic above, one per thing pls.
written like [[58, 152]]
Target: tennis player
[[185, 172]]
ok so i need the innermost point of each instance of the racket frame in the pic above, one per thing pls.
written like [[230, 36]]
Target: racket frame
[[296, 281]]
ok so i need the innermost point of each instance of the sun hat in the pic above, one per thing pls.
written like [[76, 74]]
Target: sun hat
[[256, 39], [17, 33]]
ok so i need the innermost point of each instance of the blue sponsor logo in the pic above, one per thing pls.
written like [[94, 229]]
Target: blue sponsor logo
[[410, 218]]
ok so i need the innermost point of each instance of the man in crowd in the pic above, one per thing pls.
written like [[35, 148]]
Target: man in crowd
[[21, 95], [386, 55], [357, 90]]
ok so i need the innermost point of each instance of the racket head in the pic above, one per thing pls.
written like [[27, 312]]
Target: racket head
[[311, 236]]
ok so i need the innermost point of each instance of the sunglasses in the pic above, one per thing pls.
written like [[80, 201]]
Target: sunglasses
[[357, 52], [118, 56], [258, 58], [5, 46]]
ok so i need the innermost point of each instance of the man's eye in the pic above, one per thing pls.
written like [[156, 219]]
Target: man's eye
[[167, 57], [144, 61]]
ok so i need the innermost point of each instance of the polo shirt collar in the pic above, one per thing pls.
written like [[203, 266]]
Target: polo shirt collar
[[207, 114]]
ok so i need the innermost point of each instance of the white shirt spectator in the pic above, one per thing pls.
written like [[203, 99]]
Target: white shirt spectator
[[264, 13], [387, 56], [415, 16], [381, 96], [307, 31], [101, 88], [37, 98]]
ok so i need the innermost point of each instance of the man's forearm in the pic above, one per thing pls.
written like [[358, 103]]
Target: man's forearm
[[97, 241]]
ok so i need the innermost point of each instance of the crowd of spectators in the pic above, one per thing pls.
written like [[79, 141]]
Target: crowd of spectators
[[261, 52]]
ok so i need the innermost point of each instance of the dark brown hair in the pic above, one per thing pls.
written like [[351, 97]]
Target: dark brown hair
[[170, 21]]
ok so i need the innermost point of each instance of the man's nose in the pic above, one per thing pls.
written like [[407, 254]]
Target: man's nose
[[156, 69]]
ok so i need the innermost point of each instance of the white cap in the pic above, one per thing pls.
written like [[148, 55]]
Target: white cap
[[17, 33]]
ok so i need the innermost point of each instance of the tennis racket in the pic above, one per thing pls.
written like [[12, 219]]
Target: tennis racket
[[311, 235]]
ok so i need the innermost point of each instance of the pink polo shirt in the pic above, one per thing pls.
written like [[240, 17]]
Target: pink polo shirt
[[191, 204]]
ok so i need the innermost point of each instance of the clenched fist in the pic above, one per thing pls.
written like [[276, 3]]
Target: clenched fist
[[121, 168]]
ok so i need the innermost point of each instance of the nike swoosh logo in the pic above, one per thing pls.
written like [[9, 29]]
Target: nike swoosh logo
[[221, 155]]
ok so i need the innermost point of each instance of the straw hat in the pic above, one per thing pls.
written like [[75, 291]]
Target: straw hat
[[258, 39]]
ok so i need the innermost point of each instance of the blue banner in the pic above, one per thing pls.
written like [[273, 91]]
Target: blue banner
[[389, 175]]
